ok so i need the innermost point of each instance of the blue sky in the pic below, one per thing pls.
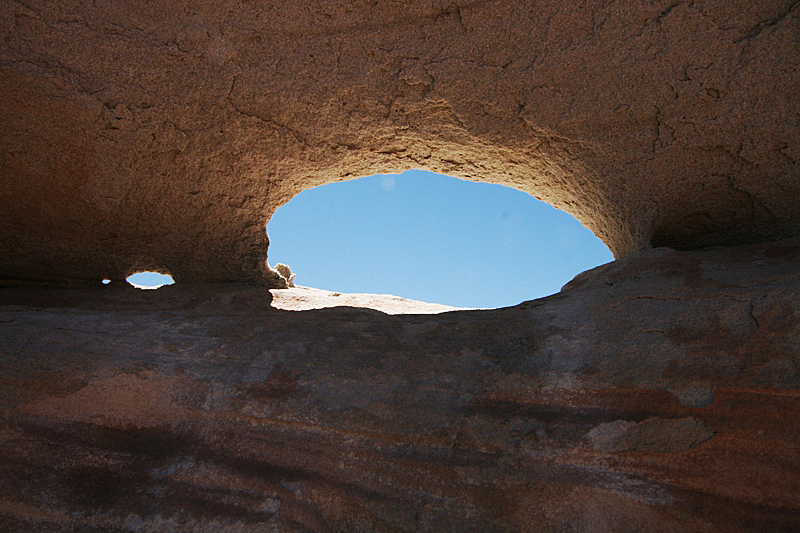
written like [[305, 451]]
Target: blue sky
[[433, 238]]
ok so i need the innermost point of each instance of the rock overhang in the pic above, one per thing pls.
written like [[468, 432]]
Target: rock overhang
[[138, 136]]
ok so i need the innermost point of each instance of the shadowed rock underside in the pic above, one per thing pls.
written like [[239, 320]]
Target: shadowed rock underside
[[144, 135]]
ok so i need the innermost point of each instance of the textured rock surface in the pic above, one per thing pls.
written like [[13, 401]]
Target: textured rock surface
[[657, 393], [155, 135], [305, 298]]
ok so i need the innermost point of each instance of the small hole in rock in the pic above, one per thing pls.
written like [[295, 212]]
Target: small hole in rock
[[149, 280]]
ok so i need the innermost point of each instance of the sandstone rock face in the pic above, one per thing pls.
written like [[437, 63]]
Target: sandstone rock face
[[155, 135], [305, 298], [657, 393]]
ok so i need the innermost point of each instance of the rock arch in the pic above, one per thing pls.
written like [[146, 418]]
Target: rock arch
[[164, 137], [658, 392]]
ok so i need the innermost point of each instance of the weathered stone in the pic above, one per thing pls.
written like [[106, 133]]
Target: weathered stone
[[305, 298], [657, 393], [652, 435], [144, 135], [200, 408]]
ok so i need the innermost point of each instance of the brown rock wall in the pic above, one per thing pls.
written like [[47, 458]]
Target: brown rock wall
[[657, 393], [160, 135]]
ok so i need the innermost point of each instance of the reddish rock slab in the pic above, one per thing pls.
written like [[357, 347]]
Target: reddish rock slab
[[657, 393]]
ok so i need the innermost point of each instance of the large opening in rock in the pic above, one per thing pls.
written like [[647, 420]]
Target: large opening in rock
[[432, 238]]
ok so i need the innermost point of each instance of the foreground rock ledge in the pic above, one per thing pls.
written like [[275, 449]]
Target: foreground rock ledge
[[657, 393]]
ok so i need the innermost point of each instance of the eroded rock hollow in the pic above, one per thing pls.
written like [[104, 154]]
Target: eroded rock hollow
[[660, 392], [143, 135]]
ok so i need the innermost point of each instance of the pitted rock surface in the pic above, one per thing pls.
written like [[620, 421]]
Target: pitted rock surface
[[201, 408], [140, 135]]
